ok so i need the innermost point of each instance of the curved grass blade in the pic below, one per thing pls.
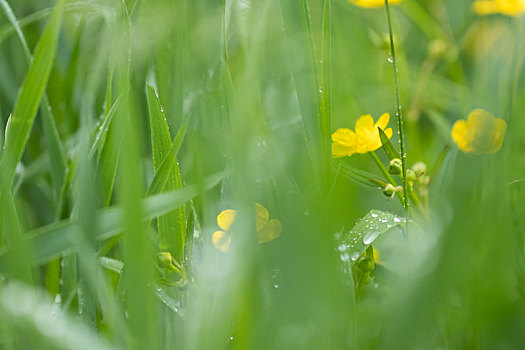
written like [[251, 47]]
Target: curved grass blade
[[49, 242], [55, 149], [50, 327], [367, 229], [31, 93]]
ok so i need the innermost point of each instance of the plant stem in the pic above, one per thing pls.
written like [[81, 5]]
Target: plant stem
[[387, 175], [398, 113]]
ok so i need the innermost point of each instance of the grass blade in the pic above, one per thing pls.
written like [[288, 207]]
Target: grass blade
[[32, 309], [57, 159], [27, 102], [161, 176], [387, 145], [172, 226], [296, 20]]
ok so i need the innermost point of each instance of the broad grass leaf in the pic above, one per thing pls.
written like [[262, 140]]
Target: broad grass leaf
[[172, 226], [45, 325], [367, 229]]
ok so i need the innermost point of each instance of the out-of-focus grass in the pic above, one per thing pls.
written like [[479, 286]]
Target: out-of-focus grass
[[249, 93]]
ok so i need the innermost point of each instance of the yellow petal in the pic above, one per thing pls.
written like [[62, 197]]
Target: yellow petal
[[376, 255], [364, 125], [221, 240], [482, 133], [382, 122], [496, 140], [339, 150], [261, 216], [485, 7], [511, 7], [271, 231], [459, 135], [373, 3], [345, 137], [506, 7], [388, 132], [226, 218]]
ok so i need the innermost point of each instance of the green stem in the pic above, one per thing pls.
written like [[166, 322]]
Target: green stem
[[387, 175], [398, 113]]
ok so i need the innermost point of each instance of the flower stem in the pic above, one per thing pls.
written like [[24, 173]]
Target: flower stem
[[398, 113], [387, 175]]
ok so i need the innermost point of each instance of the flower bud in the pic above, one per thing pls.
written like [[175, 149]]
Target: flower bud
[[389, 190], [395, 167], [411, 175], [164, 259], [419, 168], [366, 264]]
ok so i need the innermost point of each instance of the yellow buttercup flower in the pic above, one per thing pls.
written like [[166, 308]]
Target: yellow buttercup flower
[[373, 3], [481, 133], [505, 7], [267, 230], [365, 138]]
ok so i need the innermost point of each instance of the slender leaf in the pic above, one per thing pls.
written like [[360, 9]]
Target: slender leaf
[[161, 176], [359, 176], [172, 226], [387, 145], [27, 102], [296, 20], [57, 159]]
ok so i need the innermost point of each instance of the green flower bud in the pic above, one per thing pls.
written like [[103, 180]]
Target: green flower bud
[[389, 190], [164, 259], [411, 175], [366, 264], [395, 167], [419, 168]]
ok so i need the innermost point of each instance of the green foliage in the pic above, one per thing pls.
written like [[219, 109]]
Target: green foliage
[[111, 189]]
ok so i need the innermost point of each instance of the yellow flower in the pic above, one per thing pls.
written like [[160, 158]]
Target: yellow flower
[[481, 133], [267, 230], [365, 138], [373, 3], [505, 7]]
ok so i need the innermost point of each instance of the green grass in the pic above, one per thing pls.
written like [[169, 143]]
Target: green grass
[[129, 126]]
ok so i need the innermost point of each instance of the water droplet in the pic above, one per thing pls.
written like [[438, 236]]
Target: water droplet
[[370, 237], [345, 257], [354, 256], [374, 215], [390, 59], [397, 220]]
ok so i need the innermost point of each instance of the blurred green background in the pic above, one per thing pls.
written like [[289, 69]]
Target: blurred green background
[[253, 90]]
